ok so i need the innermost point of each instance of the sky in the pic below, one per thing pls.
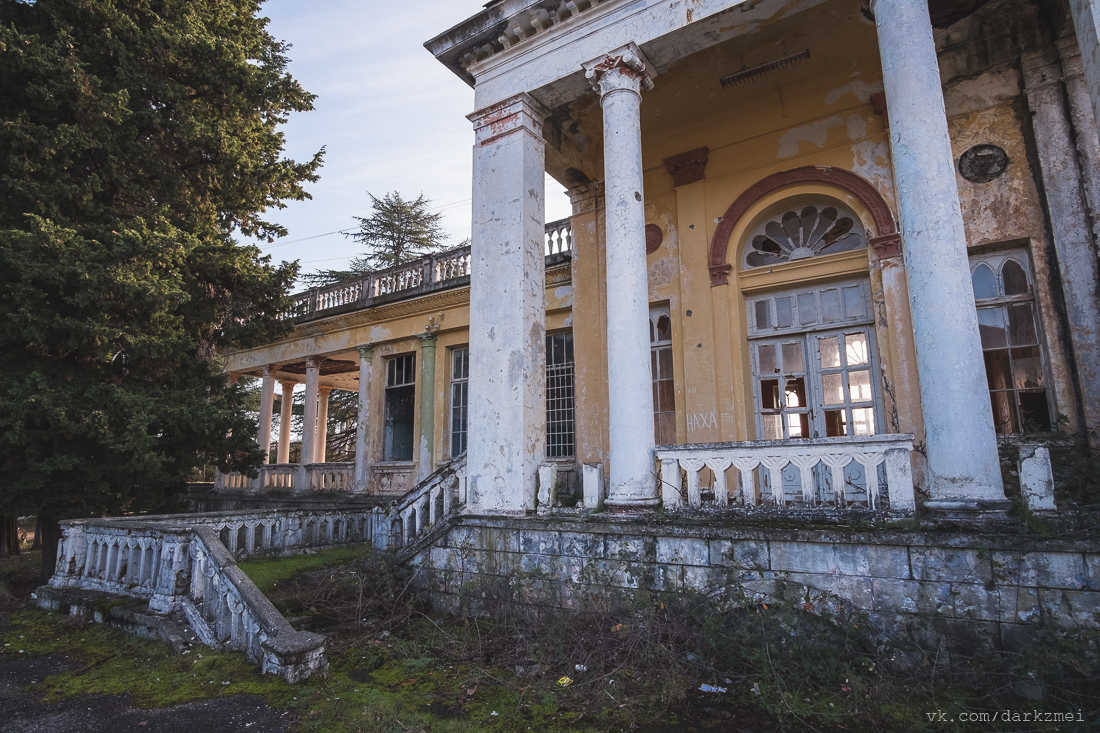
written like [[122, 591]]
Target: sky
[[390, 117]]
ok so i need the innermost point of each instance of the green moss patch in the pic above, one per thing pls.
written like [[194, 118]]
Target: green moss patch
[[267, 573]]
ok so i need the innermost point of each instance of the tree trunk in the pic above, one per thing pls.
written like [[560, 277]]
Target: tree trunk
[[9, 535], [51, 536], [37, 543]]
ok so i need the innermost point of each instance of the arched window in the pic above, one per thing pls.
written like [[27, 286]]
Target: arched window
[[798, 233], [664, 385], [1014, 363]]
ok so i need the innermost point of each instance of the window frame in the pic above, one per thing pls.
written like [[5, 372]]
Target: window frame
[[392, 384], [569, 371], [458, 438], [656, 347], [996, 261]]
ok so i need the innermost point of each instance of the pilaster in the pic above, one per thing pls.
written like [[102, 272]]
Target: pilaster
[[1065, 190], [507, 416], [427, 404], [362, 423]]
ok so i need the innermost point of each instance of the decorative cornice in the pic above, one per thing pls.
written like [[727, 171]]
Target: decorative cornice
[[445, 299], [521, 112], [624, 69], [886, 246], [867, 194], [559, 274], [524, 26], [587, 197], [688, 167]]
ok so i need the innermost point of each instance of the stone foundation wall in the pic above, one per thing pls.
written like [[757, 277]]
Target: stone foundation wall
[[927, 585]]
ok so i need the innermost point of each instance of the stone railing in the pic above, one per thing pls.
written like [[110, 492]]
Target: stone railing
[[291, 477], [434, 272], [559, 237], [186, 564], [423, 508], [863, 472]]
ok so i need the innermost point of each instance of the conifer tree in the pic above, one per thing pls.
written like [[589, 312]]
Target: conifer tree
[[137, 137], [396, 232]]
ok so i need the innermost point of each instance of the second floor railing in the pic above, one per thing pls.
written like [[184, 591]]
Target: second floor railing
[[434, 272]]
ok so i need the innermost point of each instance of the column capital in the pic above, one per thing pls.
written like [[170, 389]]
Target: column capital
[[587, 197], [268, 370], [366, 352], [519, 113], [313, 362], [427, 339], [624, 69], [288, 385], [322, 389]]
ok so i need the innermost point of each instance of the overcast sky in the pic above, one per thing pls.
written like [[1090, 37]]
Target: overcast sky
[[390, 117]]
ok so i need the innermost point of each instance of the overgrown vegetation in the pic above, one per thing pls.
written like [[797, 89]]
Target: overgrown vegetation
[[620, 664]]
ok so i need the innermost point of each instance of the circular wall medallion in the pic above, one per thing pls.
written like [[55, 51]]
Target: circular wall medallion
[[653, 238], [983, 163]]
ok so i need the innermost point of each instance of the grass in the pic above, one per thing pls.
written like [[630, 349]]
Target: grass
[[267, 573], [395, 667]]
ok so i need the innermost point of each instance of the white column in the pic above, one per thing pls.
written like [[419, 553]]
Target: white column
[[309, 422], [286, 413], [321, 451], [619, 77], [267, 398], [964, 471], [362, 424], [507, 418], [1086, 22]]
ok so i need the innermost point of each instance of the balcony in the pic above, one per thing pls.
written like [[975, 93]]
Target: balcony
[[441, 271]]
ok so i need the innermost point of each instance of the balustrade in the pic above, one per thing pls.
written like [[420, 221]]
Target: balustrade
[[559, 237], [426, 274], [863, 472]]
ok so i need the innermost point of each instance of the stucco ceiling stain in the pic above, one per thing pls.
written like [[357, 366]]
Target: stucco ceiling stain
[[816, 134]]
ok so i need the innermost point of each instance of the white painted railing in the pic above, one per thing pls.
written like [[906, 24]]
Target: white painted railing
[[331, 476], [559, 237], [291, 477], [426, 505], [870, 472]]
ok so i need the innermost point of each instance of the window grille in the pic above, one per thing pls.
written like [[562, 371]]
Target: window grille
[[1014, 363], [400, 407], [664, 386], [803, 232], [561, 441], [460, 397]]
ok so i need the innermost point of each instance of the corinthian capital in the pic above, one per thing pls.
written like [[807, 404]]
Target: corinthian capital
[[625, 68]]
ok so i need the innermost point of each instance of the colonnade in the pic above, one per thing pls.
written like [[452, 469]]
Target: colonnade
[[507, 324]]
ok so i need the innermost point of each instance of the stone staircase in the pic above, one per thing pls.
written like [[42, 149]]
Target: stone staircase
[[176, 577]]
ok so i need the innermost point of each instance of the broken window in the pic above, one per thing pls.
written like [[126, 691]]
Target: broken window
[[1014, 364], [813, 379], [400, 407], [561, 441], [802, 232], [664, 386], [460, 398], [829, 306]]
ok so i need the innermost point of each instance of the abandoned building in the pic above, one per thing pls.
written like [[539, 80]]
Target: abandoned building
[[822, 257]]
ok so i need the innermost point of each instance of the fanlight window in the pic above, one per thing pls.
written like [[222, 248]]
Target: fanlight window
[[801, 233]]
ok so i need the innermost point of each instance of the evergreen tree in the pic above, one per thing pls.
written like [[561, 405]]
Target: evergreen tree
[[136, 137], [398, 231]]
